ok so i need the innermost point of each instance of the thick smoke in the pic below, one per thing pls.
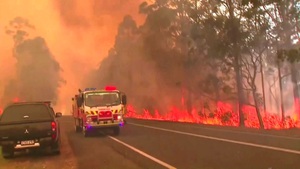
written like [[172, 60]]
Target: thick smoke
[[130, 67], [90, 30], [96, 13], [126, 67], [78, 33], [37, 72]]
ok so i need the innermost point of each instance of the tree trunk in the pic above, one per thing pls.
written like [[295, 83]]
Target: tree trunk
[[239, 90], [236, 55], [261, 123], [294, 72], [263, 83], [280, 91]]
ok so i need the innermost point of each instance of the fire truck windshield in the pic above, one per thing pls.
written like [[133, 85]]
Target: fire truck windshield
[[95, 99]]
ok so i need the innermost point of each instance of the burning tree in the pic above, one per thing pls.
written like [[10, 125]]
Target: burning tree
[[283, 35], [214, 51]]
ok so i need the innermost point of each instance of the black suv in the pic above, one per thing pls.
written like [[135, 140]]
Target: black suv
[[29, 125]]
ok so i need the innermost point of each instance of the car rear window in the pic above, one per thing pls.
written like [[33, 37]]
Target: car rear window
[[26, 112]]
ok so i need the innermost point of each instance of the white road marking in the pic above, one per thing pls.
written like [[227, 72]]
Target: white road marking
[[249, 133], [221, 139], [144, 154]]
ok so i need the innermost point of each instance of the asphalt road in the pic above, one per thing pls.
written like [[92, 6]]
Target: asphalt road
[[153, 144]]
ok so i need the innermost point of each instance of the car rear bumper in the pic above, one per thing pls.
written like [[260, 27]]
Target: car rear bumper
[[100, 125], [38, 143]]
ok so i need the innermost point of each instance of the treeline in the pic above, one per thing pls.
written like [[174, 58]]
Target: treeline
[[194, 53]]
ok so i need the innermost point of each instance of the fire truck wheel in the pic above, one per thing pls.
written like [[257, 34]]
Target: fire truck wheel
[[85, 132], [77, 128], [116, 131]]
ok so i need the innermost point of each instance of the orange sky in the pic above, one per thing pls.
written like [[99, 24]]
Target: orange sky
[[78, 33]]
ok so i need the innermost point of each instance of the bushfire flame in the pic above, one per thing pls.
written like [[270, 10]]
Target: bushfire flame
[[224, 115]]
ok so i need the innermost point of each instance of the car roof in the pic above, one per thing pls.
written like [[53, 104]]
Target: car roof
[[101, 91], [48, 103], [32, 102]]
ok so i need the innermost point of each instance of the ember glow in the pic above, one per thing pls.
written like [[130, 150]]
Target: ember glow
[[16, 99], [223, 116]]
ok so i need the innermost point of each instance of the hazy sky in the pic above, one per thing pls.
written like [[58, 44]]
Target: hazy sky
[[78, 33]]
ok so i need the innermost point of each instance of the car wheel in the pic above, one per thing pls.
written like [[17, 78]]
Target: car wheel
[[7, 152], [55, 149]]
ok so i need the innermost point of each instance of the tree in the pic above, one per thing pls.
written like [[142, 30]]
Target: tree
[[19, 28], [284, 15], [253, 50], [38, 75], [224, 38], [198, 46]]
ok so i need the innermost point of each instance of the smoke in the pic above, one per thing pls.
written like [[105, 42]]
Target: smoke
[[131, 68], [37, 72], [78, 34], [91, 27]]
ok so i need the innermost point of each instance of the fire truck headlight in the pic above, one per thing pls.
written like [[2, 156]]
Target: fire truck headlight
[[119, 117]]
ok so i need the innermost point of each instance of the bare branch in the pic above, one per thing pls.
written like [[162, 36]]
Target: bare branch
[[246, 65], [270, 15], [272, 94], [278, 13]]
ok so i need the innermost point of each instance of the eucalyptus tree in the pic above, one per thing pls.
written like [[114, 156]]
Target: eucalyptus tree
[[283, 34], [37, 71]]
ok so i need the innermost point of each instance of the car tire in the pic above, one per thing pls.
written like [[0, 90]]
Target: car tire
[[7, 152], [55, 149]]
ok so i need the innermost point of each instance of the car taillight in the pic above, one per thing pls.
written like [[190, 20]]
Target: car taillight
[[53, 128]]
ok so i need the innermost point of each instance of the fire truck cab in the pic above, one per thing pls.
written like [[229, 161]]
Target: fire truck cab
[[95, 110]]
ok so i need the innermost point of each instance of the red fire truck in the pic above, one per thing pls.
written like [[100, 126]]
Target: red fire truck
[[95, 110]]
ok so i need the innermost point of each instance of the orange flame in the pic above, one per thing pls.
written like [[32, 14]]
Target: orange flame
[[223, 115]]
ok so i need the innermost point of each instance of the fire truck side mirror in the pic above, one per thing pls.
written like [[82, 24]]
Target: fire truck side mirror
[[79, 101], [124, 99]]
